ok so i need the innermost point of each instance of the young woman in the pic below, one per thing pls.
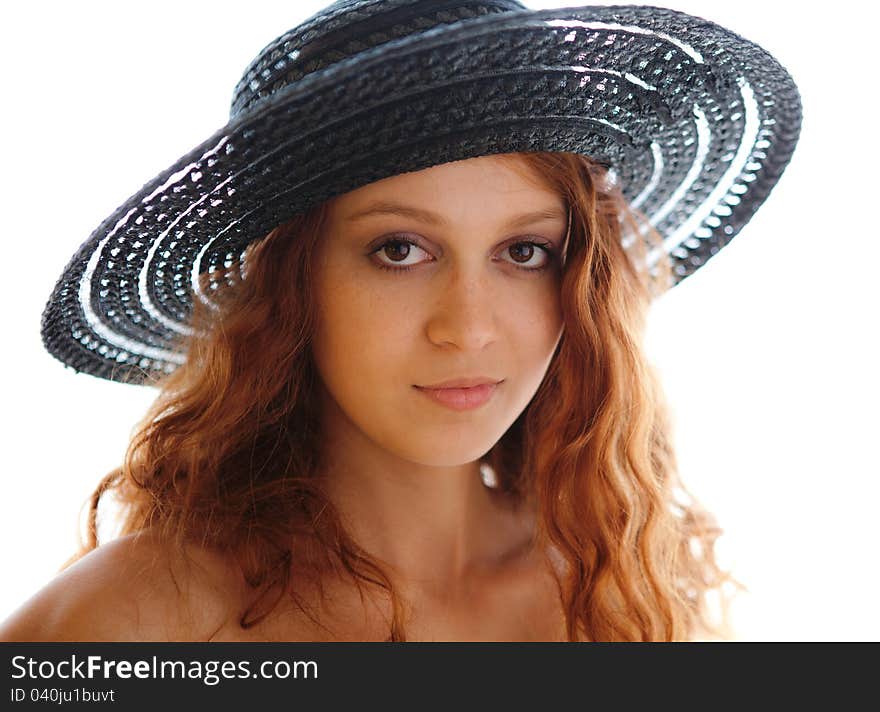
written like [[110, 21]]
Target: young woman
[[398, 336]]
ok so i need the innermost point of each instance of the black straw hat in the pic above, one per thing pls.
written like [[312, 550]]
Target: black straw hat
[[695, 122]]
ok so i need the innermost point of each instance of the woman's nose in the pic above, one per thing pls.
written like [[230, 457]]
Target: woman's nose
[[464, 311]]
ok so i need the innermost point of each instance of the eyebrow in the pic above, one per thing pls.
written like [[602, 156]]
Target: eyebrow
[[426, 216]]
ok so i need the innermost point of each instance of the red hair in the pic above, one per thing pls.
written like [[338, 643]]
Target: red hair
[[227, 456]]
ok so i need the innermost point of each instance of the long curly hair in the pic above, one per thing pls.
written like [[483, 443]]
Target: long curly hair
[[228, 454]]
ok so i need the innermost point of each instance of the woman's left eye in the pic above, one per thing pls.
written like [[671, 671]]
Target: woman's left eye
[[525, 249]]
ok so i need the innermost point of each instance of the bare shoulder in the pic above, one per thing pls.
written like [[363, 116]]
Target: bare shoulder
[[131, 588]]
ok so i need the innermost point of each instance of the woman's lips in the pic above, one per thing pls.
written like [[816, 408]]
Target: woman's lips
[[461, 398]]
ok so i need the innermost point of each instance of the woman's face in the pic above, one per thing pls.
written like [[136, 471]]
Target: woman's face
[[474, 301]]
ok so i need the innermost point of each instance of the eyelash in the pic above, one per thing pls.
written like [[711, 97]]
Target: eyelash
[[545, 246]]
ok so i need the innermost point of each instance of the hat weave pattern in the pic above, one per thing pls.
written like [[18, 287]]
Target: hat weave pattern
[[696, 123]]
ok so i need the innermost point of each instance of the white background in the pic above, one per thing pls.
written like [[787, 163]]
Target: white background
[[769, 353]]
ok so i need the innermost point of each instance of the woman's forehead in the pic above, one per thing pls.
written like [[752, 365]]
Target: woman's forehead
[[488, 185]]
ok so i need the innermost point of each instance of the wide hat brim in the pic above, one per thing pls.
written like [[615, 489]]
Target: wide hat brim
[[696, 123]]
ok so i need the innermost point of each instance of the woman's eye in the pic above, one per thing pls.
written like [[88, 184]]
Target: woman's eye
[[397, 250], [524, 255]]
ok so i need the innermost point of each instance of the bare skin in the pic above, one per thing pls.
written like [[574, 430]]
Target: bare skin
[[131, 589], [125, 591], [474, 303]]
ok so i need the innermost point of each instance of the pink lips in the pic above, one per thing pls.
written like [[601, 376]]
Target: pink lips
[[461, 398]]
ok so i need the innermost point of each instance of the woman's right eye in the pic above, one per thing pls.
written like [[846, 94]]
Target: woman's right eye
[[399, 249]]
